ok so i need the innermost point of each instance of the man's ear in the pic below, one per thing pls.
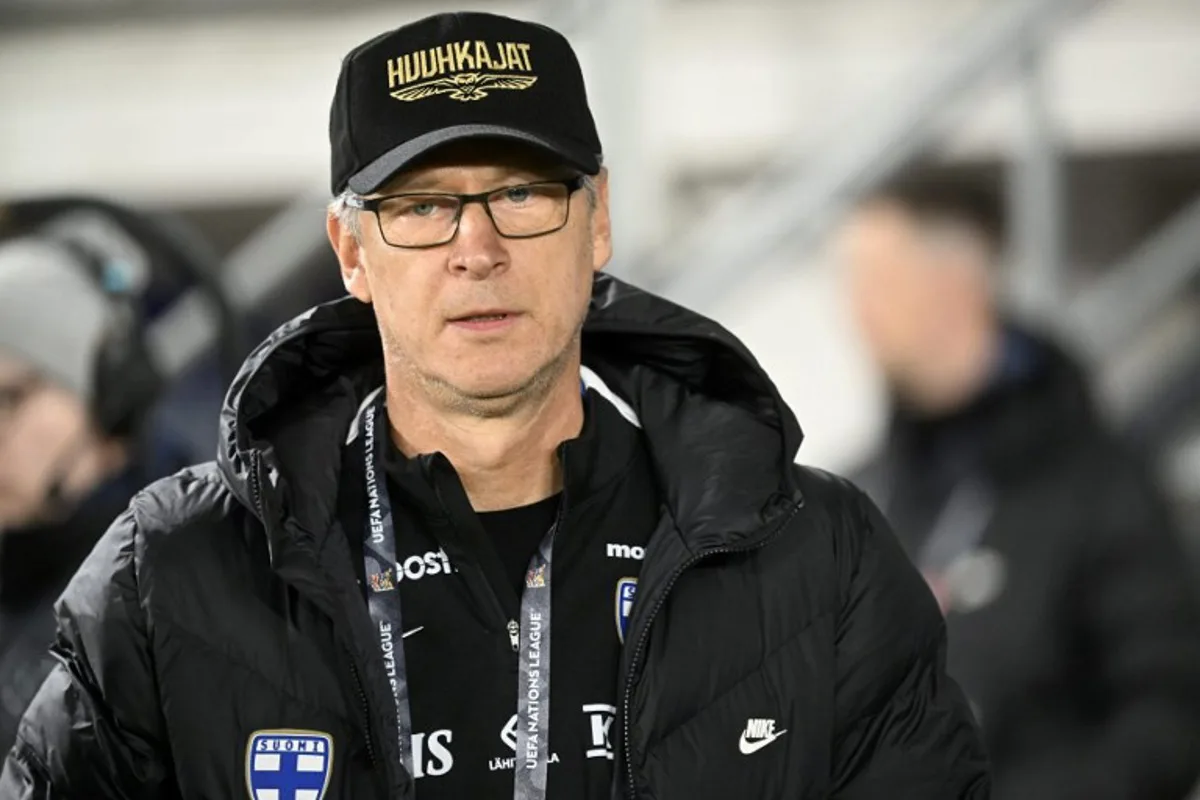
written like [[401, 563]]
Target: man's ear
[[602, 248], [349, 254]]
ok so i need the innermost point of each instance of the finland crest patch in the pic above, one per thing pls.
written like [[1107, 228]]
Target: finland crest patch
[[288, 765], [626, 589]]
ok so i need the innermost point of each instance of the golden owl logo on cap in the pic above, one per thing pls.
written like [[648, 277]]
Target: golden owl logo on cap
[[463, 71]]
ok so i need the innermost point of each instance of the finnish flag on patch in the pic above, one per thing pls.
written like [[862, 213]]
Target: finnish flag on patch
[[288, 765]]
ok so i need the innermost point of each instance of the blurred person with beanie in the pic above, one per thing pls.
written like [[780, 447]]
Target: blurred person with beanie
[[495, 525], [76, 387], [1073, 624]]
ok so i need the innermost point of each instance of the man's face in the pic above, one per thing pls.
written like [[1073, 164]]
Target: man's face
[[897, 290], [480, 320], [40, 424]]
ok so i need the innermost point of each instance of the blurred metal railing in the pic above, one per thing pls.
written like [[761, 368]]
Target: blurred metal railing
[[797, 197], [1113, 310], [1139, 323], [265, 263]]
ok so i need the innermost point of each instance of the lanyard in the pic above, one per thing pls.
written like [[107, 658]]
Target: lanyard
[[958, 528], [530, 636]]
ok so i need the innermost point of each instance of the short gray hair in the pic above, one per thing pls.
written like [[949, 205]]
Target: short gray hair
[[345, 207], [346, 211], [589, 186]]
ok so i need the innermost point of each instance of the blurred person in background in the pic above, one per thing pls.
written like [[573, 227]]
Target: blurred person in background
[[1073, 625], [76, 388], [486, 462]]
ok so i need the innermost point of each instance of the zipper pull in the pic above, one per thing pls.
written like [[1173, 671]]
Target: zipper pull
[[514, 635]]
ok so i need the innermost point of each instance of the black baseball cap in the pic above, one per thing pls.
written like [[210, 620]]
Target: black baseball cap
[[451, 77]]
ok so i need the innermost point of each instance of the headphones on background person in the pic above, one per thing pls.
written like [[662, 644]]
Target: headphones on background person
[[125, 381], [136, 260]]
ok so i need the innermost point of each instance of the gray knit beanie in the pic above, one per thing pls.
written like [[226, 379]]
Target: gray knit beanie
[[53, 315]]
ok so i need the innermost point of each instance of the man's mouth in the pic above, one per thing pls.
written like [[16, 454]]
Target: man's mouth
[[483, 317], [484, 320]]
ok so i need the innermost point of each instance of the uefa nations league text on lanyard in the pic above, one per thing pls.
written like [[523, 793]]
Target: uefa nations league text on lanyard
[[533, 690]]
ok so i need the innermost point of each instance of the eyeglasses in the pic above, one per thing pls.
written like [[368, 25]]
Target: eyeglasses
[[420, 220]]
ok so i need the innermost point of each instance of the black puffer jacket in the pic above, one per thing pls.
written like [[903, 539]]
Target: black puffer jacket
[[224, 600], [1073, 623]]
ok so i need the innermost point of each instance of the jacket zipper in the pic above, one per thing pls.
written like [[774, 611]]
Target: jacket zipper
[[366, 709], [256, 486], [514, 635], [662, 598], [511, 626]]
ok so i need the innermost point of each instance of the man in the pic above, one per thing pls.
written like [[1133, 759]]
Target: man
[[1072, 625], [75, 389], [494, 526]]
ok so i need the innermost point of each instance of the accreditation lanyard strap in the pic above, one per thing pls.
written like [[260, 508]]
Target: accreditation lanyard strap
[[383, 603]]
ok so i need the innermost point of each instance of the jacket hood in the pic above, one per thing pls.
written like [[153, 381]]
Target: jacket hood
[[720, 436]]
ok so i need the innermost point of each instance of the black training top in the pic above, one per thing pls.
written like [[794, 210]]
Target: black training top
[[461, 577]]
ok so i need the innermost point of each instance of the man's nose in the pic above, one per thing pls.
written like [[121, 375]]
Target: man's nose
[[478, 249]]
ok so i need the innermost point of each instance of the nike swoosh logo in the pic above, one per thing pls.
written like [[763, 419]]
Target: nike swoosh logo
[[748, 747], [407, 634]]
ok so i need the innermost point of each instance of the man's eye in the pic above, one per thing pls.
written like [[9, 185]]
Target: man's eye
[[420, 209]]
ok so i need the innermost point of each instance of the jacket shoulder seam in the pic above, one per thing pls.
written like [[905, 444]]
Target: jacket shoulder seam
[[161, 492], [160, 488]]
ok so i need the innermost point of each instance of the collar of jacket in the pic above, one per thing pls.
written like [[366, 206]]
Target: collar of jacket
[[601, 454], [718, 433]]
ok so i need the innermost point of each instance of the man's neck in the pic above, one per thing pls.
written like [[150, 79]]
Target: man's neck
[[503, 462]]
